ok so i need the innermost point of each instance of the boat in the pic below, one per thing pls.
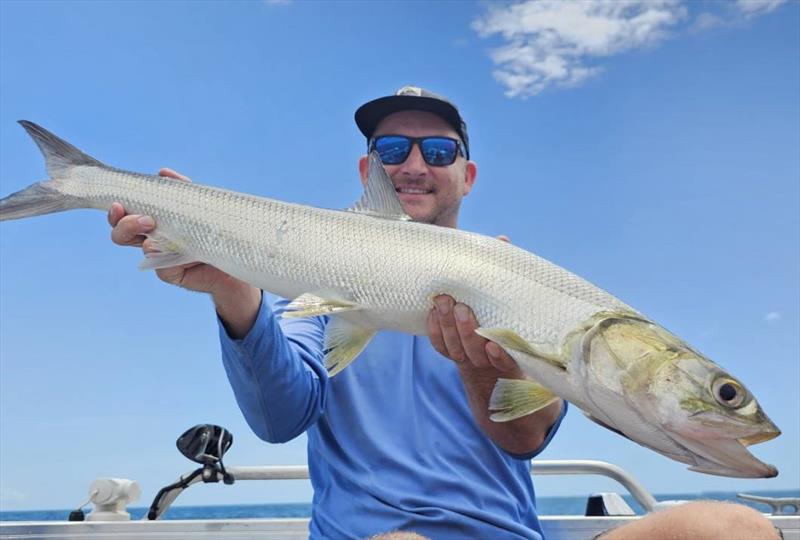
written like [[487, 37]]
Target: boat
[[206, 445]]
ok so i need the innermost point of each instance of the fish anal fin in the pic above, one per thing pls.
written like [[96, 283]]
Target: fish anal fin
[[508, 339], [311, 305], [166, 253], [515, 398], [155, 261], [344, 341]]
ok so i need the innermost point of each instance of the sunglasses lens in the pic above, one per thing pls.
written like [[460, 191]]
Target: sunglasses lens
[[439, 151], [392, 150]]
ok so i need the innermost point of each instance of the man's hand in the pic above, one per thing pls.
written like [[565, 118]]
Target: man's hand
[[237, 302], [451, 327]]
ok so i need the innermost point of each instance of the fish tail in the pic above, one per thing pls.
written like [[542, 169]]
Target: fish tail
[[59, 155], [45, 197], [36, 200]]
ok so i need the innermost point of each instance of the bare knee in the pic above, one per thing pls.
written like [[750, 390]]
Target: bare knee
[[398, 535], [700, 520], [748, 522]]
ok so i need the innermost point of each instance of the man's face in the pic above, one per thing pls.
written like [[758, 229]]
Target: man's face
[[428, 194]]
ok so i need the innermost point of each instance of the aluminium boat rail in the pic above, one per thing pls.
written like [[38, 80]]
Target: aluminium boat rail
[[542, 467], [554, 527]]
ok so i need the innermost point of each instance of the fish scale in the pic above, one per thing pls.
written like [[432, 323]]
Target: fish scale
[[370, 268]]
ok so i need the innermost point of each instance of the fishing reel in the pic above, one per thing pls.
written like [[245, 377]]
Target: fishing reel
[[204, 444]]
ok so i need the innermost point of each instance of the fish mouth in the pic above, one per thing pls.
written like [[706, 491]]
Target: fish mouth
[[729, 456], [765, 471], [759, 437]]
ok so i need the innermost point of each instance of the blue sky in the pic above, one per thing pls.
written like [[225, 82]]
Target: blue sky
[[651, 148]]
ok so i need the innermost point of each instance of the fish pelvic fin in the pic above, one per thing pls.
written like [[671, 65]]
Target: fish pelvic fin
[[380, 197], [311, 305], [59, 155], [344, 341], [508, 339], [515, 398]]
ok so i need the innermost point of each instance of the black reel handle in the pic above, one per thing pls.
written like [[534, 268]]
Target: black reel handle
[[204, 444]]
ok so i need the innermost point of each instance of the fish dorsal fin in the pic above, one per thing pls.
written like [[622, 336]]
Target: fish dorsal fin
[[59, 155], [380, 198], [515, 398]]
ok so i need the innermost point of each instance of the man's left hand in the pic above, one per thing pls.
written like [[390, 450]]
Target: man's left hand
[[451, 327]]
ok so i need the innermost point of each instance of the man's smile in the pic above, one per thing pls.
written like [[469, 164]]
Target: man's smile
[[413, 190]]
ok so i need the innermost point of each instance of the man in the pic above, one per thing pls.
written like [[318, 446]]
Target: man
[[401, 439]]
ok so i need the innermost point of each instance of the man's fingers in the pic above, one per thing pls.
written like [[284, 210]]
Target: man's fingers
[[451, 327], [115, 213], [148, 246], [500, 359], [169, 173], [173, 274], [435, 332], [194, 276], [447, 322], [474, 345], [130, 230], [504, 238]]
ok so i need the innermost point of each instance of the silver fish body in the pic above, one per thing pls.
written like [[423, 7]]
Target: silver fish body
[[370, 269]]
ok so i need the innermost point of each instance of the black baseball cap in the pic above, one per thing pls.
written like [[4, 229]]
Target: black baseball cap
[[413, 98]]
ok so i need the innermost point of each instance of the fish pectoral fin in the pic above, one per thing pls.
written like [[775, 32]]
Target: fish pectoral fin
[[344, 341], [167, 253], [508, 339], [380, 197], [311, 305], [515, 398]]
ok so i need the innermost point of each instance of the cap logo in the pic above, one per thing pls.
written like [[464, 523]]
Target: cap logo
[[410, 91]]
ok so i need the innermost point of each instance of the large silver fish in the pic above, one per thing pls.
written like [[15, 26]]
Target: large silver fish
[[370, 268]]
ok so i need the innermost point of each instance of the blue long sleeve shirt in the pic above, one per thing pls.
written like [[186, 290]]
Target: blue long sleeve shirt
[[392, 443]]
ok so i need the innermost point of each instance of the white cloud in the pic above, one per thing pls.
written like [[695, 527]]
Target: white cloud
[[772, 316], [734, 13], [556, 43], [757, 7], [704, 21]]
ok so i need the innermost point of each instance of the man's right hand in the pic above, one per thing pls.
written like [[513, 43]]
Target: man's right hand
[[237, 302]]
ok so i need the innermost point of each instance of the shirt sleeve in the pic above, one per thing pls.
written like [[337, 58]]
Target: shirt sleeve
[[550, 433], [277, 372]]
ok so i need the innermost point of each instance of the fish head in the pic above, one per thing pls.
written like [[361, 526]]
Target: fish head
[[714, 415], [707, 412]]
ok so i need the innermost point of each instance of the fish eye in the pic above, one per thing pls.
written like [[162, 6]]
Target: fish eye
[[728, 392]]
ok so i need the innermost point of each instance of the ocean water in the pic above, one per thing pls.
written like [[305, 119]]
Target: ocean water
[[546, 506]]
